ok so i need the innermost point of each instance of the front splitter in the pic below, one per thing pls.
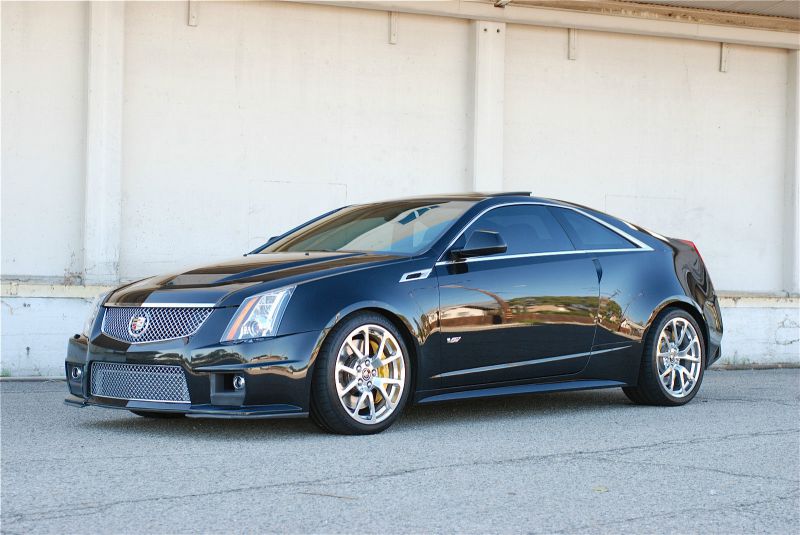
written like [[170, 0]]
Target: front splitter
[[195, 411]]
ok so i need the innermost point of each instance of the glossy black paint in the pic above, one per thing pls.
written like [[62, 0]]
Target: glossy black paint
[[520, 310], [524, 324]]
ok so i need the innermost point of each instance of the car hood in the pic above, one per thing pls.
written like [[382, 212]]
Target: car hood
[[226, 283]]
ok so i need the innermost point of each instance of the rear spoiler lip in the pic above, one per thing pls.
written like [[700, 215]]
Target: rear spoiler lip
[[687, 244]]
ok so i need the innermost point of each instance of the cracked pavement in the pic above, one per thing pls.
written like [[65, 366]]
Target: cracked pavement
[[729, 462]]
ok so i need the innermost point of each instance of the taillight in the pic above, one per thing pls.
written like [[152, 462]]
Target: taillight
[[693, 246]]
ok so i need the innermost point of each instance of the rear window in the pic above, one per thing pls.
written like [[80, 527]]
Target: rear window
[[588, 234]]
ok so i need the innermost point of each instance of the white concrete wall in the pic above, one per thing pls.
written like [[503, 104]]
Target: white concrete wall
[[649, 129], [265, 114], [43, 139], [35, 332], [761, 332]]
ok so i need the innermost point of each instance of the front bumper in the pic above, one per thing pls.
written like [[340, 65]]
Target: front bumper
[[277, 374]]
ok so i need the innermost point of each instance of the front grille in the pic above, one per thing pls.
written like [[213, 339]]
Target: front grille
[[139, 382], [137, 325]]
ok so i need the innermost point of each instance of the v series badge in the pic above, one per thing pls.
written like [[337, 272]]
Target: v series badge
[[453, 339]]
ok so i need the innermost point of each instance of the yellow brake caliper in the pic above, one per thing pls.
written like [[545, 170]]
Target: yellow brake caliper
[[383, 371]]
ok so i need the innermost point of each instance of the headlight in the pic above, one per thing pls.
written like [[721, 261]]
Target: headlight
[[95, 308], [258, 316]]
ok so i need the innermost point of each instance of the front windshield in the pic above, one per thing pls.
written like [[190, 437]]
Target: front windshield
[[403, 227]]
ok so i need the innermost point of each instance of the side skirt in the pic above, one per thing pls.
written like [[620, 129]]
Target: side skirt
[[521, 389]]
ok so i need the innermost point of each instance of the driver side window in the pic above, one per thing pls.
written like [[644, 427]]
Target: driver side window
[[526, 228]]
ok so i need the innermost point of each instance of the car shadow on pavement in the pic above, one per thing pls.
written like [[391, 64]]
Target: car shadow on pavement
[[454, 413], [206, 428]]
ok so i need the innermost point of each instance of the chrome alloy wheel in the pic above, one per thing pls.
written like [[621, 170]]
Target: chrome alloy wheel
[[679, 357], [370, 374]]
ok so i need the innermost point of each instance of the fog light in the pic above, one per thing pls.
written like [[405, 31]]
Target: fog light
[[76, 373], [238, 382]]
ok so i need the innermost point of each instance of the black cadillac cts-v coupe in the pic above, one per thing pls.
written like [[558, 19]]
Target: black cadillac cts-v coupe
[[355, 314]]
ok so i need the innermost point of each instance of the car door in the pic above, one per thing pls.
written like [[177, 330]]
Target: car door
[[526, 313]]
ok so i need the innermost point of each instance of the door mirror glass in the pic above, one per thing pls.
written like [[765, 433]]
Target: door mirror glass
[[481, 243]]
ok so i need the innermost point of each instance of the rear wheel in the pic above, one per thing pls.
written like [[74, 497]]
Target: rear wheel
[[361, 377], [673, 361]]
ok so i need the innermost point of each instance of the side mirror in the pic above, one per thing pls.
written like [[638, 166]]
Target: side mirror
[[481, 243]]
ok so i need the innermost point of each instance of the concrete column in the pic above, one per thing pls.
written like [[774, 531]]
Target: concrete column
[[489, 87], [791, 224], [102, 212]]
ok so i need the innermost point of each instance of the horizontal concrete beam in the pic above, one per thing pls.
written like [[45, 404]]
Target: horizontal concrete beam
[[670, 12], [51, 291], [46, 290], [729, 300], [581, 20]]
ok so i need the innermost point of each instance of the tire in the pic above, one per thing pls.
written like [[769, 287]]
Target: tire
[[377, 401], [150, 414], [659, 358]]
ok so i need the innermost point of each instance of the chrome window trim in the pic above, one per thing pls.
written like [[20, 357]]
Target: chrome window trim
[[640, 245], [533, 255], [160, 305]]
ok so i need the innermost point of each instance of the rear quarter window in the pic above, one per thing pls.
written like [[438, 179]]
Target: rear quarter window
[[588, 234]]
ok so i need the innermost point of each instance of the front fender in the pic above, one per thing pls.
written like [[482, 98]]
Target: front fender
[[320, 305], [412, 325]]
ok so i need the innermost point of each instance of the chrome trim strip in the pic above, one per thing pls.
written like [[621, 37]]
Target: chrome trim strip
[[530, 255], [508, 365], [420, 274], [524, 363], [486, 391], [641, 245], [160, 305], [610, 350], [137, 399]]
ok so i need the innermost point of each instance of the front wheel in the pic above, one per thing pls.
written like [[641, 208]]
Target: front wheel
[[673, 361], [362, 376]]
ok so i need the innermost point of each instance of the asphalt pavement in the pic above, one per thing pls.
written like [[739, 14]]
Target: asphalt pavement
[[583, 462]]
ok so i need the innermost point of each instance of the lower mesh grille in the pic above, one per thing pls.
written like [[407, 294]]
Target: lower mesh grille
[[139, 382]]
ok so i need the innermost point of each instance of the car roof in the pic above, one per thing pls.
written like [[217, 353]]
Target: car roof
[[477, 197], [468, 196], [496, 197]]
